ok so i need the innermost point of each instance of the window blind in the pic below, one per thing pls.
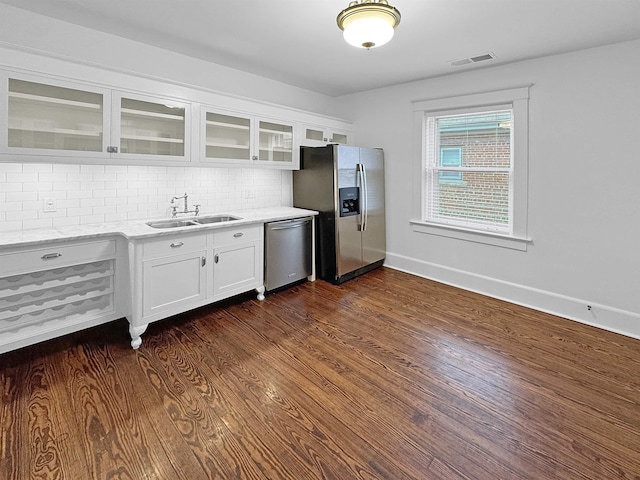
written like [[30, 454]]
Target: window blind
[[474, 191]]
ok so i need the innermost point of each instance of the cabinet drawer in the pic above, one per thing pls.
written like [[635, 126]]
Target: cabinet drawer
[[174, 245], [236, 235], [61, 255]]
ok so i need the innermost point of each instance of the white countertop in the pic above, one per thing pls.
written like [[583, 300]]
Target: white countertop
[[138, 229]]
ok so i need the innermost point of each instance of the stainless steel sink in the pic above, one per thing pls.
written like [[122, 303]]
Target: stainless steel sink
[[172, 223], [215, 219], [192, 221]]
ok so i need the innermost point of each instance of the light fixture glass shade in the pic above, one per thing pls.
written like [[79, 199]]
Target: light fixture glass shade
[[368, 23]]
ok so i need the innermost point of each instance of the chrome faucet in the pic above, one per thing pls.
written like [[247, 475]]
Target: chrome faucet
[[174, 206]]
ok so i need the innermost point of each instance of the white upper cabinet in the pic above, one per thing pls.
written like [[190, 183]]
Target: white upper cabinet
[[52, 118], [64, 119], [226, 137], [236, 138], [313, 136], [275, 143], [112, 117], [150, 127]]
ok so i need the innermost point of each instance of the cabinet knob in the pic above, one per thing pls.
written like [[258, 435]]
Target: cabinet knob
[[204, 261], [111, 149], [238, 235], [255, 157], [216, 259]]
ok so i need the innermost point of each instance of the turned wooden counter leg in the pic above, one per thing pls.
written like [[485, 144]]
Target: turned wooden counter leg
[[136, 332]]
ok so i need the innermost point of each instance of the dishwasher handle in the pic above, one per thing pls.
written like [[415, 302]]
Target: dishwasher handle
[[287, 225]]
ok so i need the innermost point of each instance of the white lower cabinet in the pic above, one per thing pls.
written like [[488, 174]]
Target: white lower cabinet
[[237, 261], [180, 272], [174, 282], [50, 291]]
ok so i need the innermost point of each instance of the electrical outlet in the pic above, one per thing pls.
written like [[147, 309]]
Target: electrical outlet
[[49, 205], [249, 193]]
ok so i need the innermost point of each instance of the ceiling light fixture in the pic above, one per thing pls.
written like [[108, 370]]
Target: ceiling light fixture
[[368, 23]]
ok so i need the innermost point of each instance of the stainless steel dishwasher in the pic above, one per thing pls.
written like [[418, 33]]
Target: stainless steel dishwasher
[[287, 252]]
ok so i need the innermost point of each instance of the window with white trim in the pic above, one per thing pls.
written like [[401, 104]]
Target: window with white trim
[[470, 189], [472, 167]]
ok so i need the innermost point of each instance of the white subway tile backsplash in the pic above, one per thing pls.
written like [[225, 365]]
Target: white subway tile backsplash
[[58, 168], [8, 226], [10, 187], [79, 177], [31, 206], [92, 185], [22, 177], [21, 215], [65, 221], [80, 193], [79, 211], [115, 200], [115, 217], [98, 193], [105, 209], [92, 168], [69, 203], [126, 208], [59, 213], [21, 196], [37, 187], [104, 193], [115, 169], [10, 167], [40, 223], [37, 167], [92, 202], [84, 219], [52, 177], [66, 186], [11, 206], [105, 177]]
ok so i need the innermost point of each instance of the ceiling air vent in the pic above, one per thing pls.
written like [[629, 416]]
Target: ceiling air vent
[[478, 58]]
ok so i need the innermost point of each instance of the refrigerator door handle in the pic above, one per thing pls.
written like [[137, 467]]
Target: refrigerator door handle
[[360, 183], [365, 198]]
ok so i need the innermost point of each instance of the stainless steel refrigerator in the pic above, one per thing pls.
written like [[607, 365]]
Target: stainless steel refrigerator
[[346, 185]]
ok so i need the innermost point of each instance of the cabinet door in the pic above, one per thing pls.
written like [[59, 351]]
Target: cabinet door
[[319, 136], [343, 138], [47, 117], [150, 127], [173, 284], [275, 144], [236, 269], [226, 137]]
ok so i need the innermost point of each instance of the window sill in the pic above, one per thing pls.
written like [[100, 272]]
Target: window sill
[[488, 238]]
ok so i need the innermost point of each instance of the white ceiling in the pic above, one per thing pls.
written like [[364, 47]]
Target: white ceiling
[[299, 43]]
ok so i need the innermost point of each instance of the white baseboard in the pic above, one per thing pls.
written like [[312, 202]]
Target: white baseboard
[[602, 316]]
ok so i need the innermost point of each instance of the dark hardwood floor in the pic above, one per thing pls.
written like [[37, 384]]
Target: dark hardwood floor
[[388, 376]]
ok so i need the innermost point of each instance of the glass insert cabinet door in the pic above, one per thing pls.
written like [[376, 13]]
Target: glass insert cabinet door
[[322, 137], [149, 128], [275, 142], [43, 116], [227, 137]]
